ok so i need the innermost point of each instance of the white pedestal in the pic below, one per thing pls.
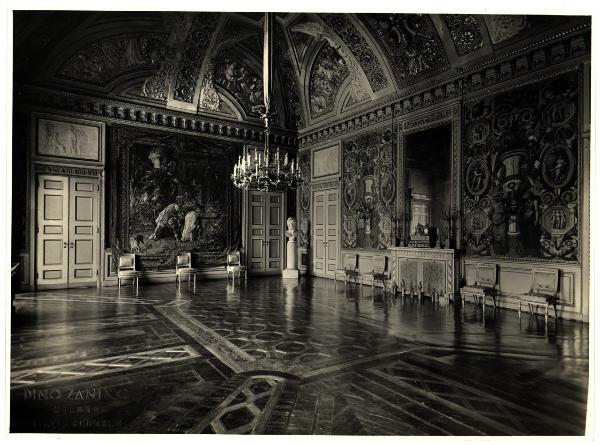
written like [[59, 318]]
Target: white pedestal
[[291, 271], [291, 274]]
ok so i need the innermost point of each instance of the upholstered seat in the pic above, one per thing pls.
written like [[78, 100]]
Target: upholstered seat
[[378, 274], [128, 270], [184, 268], [484, 286], [234, 266], [350, 269], [543, 291]]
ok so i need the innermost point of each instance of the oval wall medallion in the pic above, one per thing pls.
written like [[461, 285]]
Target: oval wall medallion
[[558, 166]]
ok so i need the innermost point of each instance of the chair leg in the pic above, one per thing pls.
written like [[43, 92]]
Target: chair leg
[[194, 282], [519, 309], [546, 314], [119, 283]]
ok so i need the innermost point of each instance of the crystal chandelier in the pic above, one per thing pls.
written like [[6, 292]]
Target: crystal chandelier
[[265, 170]]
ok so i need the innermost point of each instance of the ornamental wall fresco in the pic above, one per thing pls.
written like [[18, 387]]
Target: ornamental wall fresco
[[521, 180], [304, 199], [368, 190], [328, 73]]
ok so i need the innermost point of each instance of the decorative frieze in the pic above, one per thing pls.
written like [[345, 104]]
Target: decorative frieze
[[105, 109]]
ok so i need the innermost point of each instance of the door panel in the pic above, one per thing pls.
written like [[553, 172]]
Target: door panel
[[67, 232], [257, 231], [52, 230], [319, 236], [332, 230], [83, 230], [275, 232]]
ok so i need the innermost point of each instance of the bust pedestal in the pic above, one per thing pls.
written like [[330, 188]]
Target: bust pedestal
[[291, 271]]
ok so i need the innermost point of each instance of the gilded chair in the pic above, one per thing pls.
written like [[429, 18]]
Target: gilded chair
[[350, 269], [378, 273], [184, 268], [234, 265], [484, 286], [128, 270], [544, 290]]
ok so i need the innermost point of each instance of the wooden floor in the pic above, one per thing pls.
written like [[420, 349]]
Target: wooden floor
[[276, 358]]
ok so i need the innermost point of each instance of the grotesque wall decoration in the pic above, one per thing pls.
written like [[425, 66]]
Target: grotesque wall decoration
[[359, 47], [304, 200], [106, 59], [521, 171], [369, 190], [174, 196], [194, 51], [412, 45], [234, 74], [328, 73], [465, 32]]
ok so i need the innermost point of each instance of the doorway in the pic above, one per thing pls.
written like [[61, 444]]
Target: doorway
[[67, 231], [325, 232]]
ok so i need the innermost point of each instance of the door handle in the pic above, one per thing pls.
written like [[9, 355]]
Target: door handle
[[65, 244], [72, 244]]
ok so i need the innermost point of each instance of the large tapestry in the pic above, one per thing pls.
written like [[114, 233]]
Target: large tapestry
[[174, 195], [521, 171], [369, 190]]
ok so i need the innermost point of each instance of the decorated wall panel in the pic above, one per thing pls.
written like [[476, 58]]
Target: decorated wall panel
[[521, 181], [304, 198], [369, 190], [172, 194]]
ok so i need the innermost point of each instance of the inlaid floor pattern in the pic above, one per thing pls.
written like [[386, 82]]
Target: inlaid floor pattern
[[271, 357]]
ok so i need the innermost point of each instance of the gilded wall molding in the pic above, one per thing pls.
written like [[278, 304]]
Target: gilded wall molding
[[324, 185], [554, 51]]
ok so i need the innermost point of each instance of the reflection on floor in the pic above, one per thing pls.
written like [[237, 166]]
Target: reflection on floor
[[271, 357]]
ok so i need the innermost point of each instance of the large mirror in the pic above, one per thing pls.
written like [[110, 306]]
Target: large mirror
[[428, 171]]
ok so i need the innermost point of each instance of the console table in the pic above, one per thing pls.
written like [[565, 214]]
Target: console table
[[437, 269]]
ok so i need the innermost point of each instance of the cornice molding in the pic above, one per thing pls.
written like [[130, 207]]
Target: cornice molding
[[552, 51], [111, 111]]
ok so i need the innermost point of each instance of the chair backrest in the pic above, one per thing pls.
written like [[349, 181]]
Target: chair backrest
[[127, 261], [233, 258], [350, 261], [544, 281], [184, 261], [379, 264], [486, 274]]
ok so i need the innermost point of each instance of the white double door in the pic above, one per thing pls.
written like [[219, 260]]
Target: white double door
[[325, 232], [266, 232], [67, 235]]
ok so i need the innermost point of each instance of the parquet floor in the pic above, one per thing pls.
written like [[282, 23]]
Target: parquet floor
[[275, 358]]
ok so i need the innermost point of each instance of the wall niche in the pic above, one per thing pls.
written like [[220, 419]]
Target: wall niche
[[521, 173]]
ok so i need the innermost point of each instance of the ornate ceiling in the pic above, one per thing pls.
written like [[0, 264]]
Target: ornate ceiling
[[210, 62]]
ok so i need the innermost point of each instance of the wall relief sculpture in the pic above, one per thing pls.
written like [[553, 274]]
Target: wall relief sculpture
[[304, 198], [174, 196], [328, 73], [412, 44], [369, 190], [521, 171]]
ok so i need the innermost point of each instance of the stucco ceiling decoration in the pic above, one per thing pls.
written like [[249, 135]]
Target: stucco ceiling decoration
[[317, 30], [411, 43], [504, 27], [328, 73], [465, 32]]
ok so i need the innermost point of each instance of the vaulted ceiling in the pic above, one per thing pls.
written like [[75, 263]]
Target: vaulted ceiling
[[210, 62]]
